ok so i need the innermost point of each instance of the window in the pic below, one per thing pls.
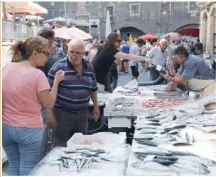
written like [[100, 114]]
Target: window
[[192, 6], [134, 9], [111, 10]]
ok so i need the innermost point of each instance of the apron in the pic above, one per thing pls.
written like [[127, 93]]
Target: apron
[[204, 86]]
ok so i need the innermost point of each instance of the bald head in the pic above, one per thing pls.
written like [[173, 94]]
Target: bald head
[[163, 44]]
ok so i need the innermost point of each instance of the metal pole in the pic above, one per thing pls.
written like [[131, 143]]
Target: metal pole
[[65, 11], [4, 10]]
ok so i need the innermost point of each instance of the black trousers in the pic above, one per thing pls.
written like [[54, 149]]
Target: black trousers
[[154, 74], [69, 123], [112, 79]]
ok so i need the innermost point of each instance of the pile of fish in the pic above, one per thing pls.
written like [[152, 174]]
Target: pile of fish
[[161, 137], [81, 159]]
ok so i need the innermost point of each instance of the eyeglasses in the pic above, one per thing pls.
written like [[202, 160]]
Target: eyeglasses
[[46, 53], [73, 53]]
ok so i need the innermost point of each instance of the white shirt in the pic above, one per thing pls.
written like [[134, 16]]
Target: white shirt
[[135, 50]]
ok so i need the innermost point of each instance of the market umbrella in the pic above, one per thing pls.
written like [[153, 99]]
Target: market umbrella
[[148, 36], [25, 7], [108, 25], [173, 36], [65, 33], [83, 35]]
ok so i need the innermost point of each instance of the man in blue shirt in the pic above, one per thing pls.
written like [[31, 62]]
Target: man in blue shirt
[[194, 72]]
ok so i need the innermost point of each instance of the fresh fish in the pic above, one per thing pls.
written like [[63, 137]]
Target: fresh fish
[[190, 168], [154, 153], [180, 153], [175, 127], [164, 161], [153, 123], [181, 144], [143, 138], [146, 142], [152, 115], [173, 132], [168, 119]]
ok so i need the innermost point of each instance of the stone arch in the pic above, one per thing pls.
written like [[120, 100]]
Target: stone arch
[[126, 24], [212, 13], [205, 16]]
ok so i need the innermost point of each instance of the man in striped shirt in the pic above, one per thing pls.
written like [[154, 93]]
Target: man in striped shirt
[[74, 92]]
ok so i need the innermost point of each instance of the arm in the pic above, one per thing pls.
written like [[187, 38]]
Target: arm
[[129, 56], [96, 111], [48, 98]]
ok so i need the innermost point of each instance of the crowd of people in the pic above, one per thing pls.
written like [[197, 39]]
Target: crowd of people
[[50, 81]]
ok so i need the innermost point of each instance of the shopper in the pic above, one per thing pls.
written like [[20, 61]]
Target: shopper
[[24, 89], [106, 57]]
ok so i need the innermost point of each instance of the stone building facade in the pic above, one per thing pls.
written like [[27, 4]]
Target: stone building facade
[[135, 17], [208, 26]]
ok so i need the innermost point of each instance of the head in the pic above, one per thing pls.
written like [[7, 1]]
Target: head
[[167, 38], [76, 51], [58, 42], [35, 49], [163, 44], [140, 42], [48, 34], [198, 40], [180, 54], [113, 40], [53, 49]]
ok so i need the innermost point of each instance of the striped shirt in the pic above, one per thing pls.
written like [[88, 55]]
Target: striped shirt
[[75, 90]]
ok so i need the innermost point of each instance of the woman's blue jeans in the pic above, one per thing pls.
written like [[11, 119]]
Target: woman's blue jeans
[[22, 147]]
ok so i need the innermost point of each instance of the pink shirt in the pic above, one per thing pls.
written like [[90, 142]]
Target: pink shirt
[[21, 85]]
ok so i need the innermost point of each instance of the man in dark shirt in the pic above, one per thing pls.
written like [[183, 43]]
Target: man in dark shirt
[[198, 48]]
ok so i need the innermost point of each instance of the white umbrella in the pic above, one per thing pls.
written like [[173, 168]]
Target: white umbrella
[[108, 25], [33, 17]]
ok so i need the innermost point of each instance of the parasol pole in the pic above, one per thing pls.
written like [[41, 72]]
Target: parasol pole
[[65, 11]]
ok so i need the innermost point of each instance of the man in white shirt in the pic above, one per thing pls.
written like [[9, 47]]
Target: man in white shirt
[[135, 49], [158, 56]]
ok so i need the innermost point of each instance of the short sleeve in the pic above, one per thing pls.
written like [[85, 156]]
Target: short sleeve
[[114, 50], [150, 54], [42, 82], [190, 70]]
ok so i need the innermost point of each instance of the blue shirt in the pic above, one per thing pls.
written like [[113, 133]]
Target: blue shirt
[[195, 67], [75, 90], [125, 48]]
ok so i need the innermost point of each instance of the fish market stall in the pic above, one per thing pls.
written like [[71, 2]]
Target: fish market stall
[[175, 141], [87, 155]]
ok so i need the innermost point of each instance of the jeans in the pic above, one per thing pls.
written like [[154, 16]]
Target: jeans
[[44, 146], [22, 147]]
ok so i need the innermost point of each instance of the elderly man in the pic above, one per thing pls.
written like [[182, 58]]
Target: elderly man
[[194, 73], [158, 56], [71, 107]]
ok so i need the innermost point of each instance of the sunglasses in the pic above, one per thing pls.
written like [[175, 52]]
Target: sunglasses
[[46, 53]]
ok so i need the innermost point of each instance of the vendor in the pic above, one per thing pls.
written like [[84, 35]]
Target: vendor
[[193, 73]]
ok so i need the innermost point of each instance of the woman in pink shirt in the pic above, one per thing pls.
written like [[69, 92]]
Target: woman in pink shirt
[[24, 90]]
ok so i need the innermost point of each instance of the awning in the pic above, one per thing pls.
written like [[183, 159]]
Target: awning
[[189, 32], [85, 36], [33, 17], [24, 7]]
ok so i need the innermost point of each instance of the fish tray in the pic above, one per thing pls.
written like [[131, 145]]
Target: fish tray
[[171, 95]]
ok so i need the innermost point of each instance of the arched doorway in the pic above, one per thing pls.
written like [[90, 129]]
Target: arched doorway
[[134, 31], [205, 25], [189, 30], [213, 30]]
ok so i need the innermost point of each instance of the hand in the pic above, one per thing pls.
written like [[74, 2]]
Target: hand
[[96, 113], [51, 121], [166, 76], [59, 76]]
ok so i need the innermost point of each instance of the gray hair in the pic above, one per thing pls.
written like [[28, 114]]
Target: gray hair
[[79, 42], [162, 41]]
